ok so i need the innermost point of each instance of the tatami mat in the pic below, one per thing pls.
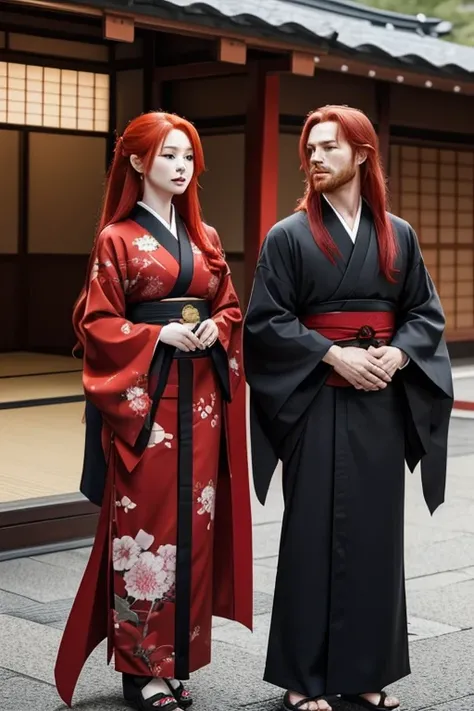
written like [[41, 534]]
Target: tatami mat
[[39, 387], [42, 451], [21, 364]]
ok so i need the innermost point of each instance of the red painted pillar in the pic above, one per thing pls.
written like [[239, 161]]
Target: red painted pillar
[[261, 166]]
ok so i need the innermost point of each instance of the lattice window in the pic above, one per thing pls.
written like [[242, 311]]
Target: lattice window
[[433, 189], [56, 98]]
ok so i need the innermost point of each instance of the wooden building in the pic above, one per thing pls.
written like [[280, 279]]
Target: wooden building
[[246, 72]]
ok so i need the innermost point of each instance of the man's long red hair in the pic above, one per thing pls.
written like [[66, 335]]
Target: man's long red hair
[[143, 137], [358, 131]]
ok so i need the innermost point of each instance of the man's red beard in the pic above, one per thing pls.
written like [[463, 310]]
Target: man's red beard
[[329, 182]]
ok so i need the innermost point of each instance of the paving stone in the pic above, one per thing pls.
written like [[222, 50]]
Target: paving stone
[[28, 648], [441, 671], [454, 605], [21, 694], [238, 636], [5, 674], [264, 579], [464, 704], [441, 556], [75, 559], [419, 628], [38, 581], [44, 613], [439, 580], [266, 540]]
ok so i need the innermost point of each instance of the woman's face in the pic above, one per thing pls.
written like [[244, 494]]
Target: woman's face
[[173, 165]]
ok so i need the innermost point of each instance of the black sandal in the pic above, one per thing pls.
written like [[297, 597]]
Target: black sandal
[[182, 695], [288, 706], [365, 704], [132, 693]]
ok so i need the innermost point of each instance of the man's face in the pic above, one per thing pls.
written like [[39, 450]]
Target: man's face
[[332, 159]]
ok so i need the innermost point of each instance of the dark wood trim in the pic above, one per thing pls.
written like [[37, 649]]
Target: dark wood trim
[[428, 138], [112, 107], [23, 204], [12, 28], [261, 167], [382, 100], [40, 60], [44, 508], [37, 522], [47, 129], [148, 64]]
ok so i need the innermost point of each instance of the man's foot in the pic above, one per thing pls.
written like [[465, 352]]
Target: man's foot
[[378, 700], [381, 700], [297, 702]]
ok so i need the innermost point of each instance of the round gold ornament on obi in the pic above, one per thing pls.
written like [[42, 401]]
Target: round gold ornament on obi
[[190, 314]]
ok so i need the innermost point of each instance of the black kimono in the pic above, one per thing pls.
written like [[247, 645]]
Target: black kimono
[[339, 616]]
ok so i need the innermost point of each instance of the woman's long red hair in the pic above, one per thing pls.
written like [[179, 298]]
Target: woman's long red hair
[[143, 137], [358, 131]]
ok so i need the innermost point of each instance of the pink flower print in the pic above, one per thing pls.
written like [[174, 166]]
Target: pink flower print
[[195, 633], [234, 365], [153, 286], [212, 285], [167, 553], [138, 399], [147, 579], [207, 499], [126, 553], [126, 504], [147, 243], [205, 410]]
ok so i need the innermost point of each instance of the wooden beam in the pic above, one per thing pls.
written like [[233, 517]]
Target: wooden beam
[[382, 100], [198, 70], [262, 133], [302, 63], [231, 50], [394, 75], [120, 28]]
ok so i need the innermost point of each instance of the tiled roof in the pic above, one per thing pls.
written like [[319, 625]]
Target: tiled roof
[[346, 26]]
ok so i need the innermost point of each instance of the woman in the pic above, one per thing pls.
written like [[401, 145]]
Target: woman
[[159, 323]]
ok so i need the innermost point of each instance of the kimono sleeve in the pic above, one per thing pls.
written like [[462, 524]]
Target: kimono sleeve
[[421, 323], [279, 351], [117, 353], [427, 379], [227, 315]]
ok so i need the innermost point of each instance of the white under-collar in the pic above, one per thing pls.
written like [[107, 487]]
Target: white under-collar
[[171, 227], [351, 232]]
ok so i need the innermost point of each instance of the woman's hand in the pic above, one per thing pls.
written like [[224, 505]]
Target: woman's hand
[[207, 333], [180, 336]]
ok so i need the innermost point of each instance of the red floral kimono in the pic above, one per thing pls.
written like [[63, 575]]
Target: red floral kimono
[[173, 544]]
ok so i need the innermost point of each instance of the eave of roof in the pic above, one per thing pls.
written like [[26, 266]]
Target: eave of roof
[[304, 23]]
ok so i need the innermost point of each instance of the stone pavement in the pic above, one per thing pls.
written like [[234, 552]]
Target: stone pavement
[[36, 593]]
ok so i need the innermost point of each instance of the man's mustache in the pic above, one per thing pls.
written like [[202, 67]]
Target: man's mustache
[[319, 171]]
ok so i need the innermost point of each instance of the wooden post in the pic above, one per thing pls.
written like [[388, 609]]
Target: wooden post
[[261, 166], [382, 98]]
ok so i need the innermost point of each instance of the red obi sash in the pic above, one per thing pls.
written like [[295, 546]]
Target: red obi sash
[[358, 328]]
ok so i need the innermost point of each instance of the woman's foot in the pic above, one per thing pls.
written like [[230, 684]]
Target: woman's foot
[[182, 695], [147, 694], [294, 701], [381, 700]]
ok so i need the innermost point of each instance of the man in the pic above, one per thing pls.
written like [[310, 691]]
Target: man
[[349, 377]]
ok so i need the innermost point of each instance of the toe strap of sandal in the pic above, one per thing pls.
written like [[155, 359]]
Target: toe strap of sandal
[[383, 699], [165, 702]]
